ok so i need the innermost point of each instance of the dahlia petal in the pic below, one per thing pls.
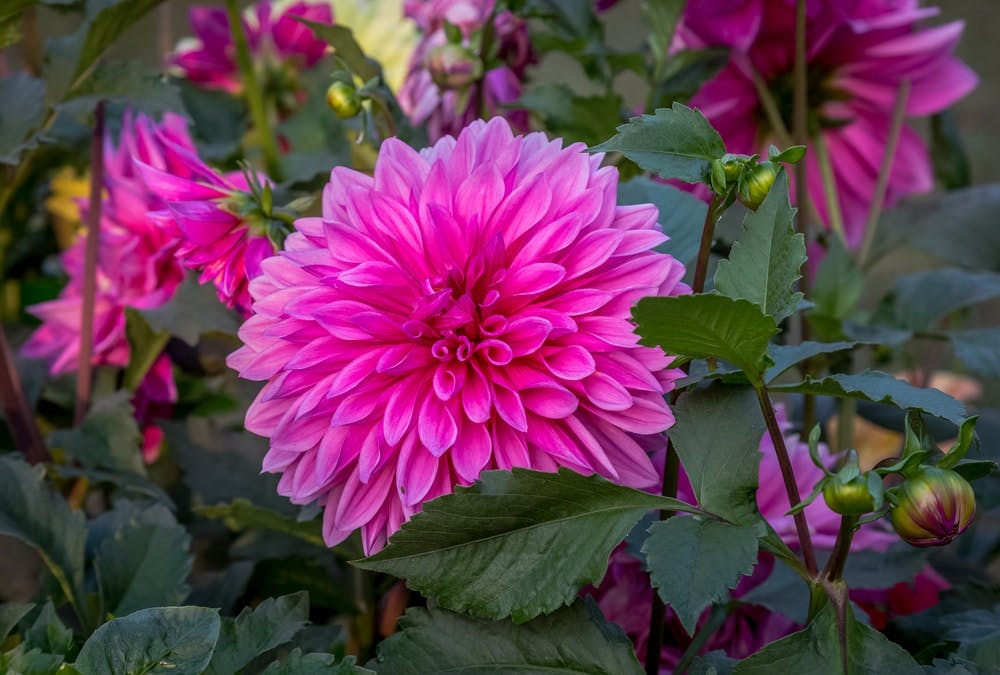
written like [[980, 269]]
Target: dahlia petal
[[415, 472], [477, 398], [509, 406], [472, 451], [533, 279], [360, 501], [606, 393], [571, 362], [436, 426], [551, 402]]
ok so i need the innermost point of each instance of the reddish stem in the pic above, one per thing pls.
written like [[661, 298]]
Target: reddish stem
[[20, 418]]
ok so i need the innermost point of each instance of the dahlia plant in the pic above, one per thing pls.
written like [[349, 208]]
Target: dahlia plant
[[401, 336]]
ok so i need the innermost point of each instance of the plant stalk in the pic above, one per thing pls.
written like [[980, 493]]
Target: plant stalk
[[702, 636], [830, 189], [788, 476], [19, 416], [834, 570], [84, 374], [253, 93]]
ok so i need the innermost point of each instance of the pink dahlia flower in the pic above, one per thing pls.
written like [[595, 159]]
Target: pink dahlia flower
[[208, 214], [467, 308], [136, 268], [859, 53], [446, 111], [278, 43]]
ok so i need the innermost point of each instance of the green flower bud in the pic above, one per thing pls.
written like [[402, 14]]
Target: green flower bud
[[852, 498], [343, 99], [933, 507], [453, 66], [757, 183]]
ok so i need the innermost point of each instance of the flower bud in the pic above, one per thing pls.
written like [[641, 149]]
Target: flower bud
[[343, 99], [757, 183], [852, 498], [933, 507], [453, 66]]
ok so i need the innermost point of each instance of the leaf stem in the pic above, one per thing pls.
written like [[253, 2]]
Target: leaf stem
[[885, 170], [714, 623], [834, 569], [84, 369], [19, 416], [830, 188], [788, 476], [253, 93]]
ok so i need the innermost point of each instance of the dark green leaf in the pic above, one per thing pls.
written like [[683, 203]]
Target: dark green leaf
[[838, 283], [575, 640], [129, 83], [685, 72], [345, 46], [717, 435], [192, 311], [255, 631], [515, 544], [219, 120], [48, 633], [24, 661], [786, 356], [298, 663], [978, 350], [662, 16], [708, 325], [22, 110], [879, 387], [574, 118], [783, 592], [681, 214], [817, 651], [951, 163], [241, 514], [884, 569], [712, 663], [109, 437], [693, 562], [129, 483], [145, 346], [924, 298], [144, 562], [764, 263], [10, 614], [978, 633], [975, 469], [41, 518], [676, 142], [157, 641]]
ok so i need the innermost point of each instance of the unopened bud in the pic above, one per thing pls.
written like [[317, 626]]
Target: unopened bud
[[453, 66], [933, 507], [757, 183], [343, 99], [852, 498]]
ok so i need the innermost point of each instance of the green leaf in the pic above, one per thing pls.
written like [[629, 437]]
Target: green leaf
[[693, 562], [144, 562], [978, 350], [48, 633], [255, 631], [685, 72], [145, 346], [786, 356], [192, 311], [978, 633], [298, 663], [764, 263], [838, 283], [574, 640], [10, 614], [219, 120], [924, 298], [574, 118], [705, 326], [469, 551], [345, 46], [42, 519], [662, 16], [128, 83], [678, 210], [676, 142], [21, 114], [951, 163], [712, 663], [241, 514], [879, 387], [717, 435], [817, 651], [157, 641], [109, 437], [24, 661], [975, 469]]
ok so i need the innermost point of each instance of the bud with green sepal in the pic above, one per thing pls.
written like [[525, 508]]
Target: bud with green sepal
[[849, 491], [932, 507], [343, 98]]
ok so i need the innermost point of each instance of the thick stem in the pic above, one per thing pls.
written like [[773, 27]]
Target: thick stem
[[834, 569], [885, 170], [20, 419], [253, 93], [84, 369], [712, 216], [788, 476]]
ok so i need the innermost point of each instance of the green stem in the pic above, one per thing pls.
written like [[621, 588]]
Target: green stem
[[885, 170], [714, 623], [830, 188], [834, 570], [253, 93], [788, 476], [845, 423]]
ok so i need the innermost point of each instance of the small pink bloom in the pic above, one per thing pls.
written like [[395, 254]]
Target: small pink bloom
[[859, 54], [276, 39], [467, 308]]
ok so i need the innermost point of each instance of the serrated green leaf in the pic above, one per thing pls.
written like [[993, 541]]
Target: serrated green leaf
[[693, 563], [880, 387], [109, 437], [678, 211], [145, 560], [924, 298], [192, 311], [298, 663], [706, 326], [676, 142], [41, 518], [241, 514], [48, 633], [786, 356], [763, 266], [574, 640], [717, 435], [469, 550], [255, 631], [21, 114], [817, 650], [157, 641]]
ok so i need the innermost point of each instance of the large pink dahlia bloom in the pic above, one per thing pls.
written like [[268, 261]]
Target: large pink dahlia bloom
[[467, 308], [278, 43], [136, 267], [859, 53]]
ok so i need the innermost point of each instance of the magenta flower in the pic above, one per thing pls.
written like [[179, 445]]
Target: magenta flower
[[136, 268], [859, 54], [208, 214], [278, 43], [467, 308], [425, 96]]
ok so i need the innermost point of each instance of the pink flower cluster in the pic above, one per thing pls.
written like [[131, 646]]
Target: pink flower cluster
[[859, 54], [466, 308], [448, 111], [625, 596], [275, 38]]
